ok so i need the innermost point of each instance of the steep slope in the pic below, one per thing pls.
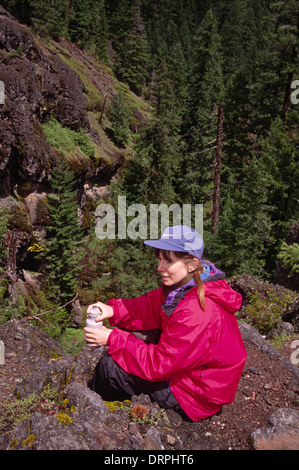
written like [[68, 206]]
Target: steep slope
[[57, 100], [44, 81]]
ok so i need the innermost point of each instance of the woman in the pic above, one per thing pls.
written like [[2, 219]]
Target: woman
[[196, 365]]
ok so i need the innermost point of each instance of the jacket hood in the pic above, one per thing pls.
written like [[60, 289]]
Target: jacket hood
[[216, 289], [210, 272], [221, 293]]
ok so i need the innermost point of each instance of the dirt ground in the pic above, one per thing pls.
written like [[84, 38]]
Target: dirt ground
[[265, 386]]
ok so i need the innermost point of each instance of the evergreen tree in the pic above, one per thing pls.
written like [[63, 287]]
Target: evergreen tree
[[244, 230], [4, 219], [46, 17], [61, 256], [134, 67], [119, 116], [206, 92], [280, 165], [87, 26]]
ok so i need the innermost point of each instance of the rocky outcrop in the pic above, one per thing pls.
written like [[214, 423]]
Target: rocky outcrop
[[263, 415], [265, 304], [281, 433]]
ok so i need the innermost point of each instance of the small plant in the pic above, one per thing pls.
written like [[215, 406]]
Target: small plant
[[120, 120], [69, 142], [72, 340], [289, 255], [21, 409], [279, 340]]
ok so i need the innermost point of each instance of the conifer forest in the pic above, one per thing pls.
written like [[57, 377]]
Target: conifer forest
[[221, 81]]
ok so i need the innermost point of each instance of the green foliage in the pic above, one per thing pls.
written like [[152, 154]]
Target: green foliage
[[245, 226], [133, 68], [132, 272], [72, 340], [68, 141], [21, 409], [87, 26], [186, 58], [119, 117], [9, 310], [55, 322], [289, 254], [83, 22], [206, 92], [4, 219], [61, 255], [265, 312]]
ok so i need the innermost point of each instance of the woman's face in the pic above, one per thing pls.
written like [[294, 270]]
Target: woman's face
[[172, 270]]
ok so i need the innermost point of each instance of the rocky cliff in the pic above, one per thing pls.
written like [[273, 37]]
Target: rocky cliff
[[38, 85], [46, 82]]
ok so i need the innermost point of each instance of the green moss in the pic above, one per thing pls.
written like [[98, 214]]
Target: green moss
[[29, 441], [13, 443], [76, 145], [264, 312], [117, 405], [68, 379], [72, 340], [19, 216], [21, 409], [63, 417]]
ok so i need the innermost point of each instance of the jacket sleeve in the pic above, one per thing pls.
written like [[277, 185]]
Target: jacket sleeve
[[184, 342], [140, 313]]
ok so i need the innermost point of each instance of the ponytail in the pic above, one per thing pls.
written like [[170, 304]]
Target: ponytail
[[200, 286]]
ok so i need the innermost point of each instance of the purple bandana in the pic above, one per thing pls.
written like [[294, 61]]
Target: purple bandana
[[175, 296]]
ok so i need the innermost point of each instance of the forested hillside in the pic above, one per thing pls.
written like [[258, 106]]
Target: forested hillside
[[197, 64]]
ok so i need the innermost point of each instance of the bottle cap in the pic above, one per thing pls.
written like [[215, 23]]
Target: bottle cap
[[94, 311]]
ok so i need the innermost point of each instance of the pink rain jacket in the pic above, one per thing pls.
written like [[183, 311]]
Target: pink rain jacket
[[200, 353]]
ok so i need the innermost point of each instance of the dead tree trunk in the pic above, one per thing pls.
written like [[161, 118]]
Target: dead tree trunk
[[217, 171], [103, 109]]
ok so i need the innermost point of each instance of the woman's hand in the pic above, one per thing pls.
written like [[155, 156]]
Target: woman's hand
[[106, 311], [97, 337]]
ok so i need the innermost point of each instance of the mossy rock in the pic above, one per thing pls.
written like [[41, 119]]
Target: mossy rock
[[263, 303]]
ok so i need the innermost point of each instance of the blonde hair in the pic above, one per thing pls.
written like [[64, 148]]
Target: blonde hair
[[186, 257]]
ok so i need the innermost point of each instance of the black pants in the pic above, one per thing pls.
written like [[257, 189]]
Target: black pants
[[114, 384]]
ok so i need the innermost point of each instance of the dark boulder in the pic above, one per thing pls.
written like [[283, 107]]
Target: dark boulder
[[38, 85]]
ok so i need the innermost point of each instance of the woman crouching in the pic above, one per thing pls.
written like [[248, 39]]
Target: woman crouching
[[197, 363]]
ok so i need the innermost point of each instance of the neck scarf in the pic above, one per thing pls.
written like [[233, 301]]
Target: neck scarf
[[175, 296]]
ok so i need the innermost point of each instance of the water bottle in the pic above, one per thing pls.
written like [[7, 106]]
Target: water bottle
[[93, 313]]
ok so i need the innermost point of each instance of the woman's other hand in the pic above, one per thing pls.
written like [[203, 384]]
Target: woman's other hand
[[95, 337]]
